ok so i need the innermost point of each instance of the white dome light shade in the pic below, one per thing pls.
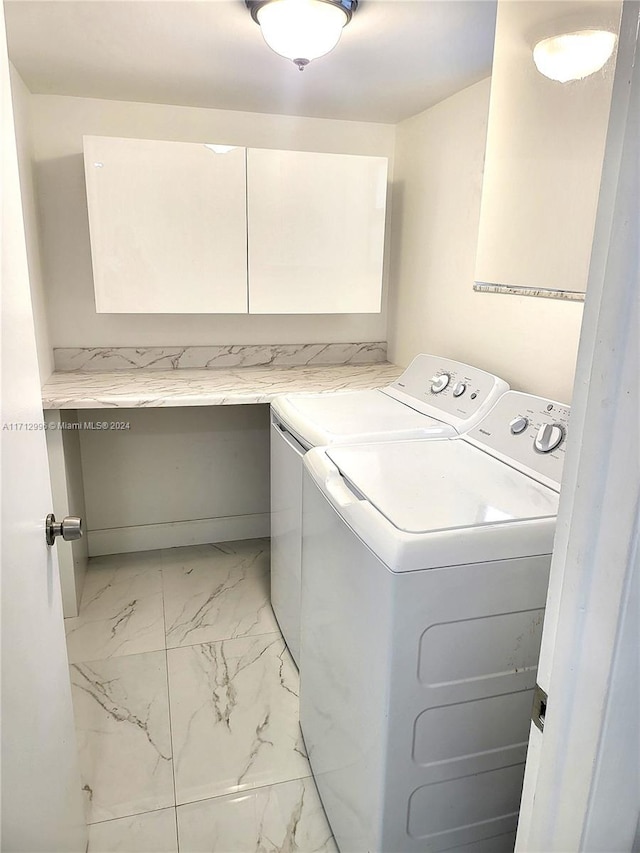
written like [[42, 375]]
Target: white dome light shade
[[573, 56], [301, 30]]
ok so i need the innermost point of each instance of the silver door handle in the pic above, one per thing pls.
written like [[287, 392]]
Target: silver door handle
[[69, 528]]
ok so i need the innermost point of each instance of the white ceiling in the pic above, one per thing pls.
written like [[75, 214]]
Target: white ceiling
[[395, 58]]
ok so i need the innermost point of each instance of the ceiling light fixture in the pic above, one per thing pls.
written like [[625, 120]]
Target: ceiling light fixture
[[574, 56], [301, 30]]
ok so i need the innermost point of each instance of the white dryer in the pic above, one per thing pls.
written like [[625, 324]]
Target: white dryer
[[434, 397], [424, 580]]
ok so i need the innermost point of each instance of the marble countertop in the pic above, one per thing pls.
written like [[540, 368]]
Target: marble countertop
[[128, 389]]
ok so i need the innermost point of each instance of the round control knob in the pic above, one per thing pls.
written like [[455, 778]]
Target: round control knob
[[518, 425], [439, 383], [548, 438], [458, 389]]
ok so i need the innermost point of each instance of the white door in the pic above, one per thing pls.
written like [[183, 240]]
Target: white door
[[41, 798], [582, 784]]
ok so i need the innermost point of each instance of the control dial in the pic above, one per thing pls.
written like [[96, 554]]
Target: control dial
[[458, 389], [548, 438], [439, 383], [518, 425]]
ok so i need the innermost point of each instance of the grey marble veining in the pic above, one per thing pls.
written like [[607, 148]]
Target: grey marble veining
[[121, 708], [114, 580], [121, 612], [242, 355], [284, 818], [218, 592], [221, 387], [137, 627], [234, 716], [212, 726]]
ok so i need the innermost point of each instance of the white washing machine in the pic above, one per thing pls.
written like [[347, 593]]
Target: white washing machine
[[434, 397], [424, 580]]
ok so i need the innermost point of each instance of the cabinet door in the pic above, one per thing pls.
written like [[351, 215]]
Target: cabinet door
[[545, 149], [316, 232], [168, 226]]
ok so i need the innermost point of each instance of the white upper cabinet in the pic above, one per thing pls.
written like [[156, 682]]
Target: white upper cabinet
[[545, 149], [168, 226], [316, 232]]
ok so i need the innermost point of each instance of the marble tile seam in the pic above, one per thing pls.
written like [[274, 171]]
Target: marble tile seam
[[134, 814], [252, 790], [276, 635], [222, 640], [171, 741], [166, 648]]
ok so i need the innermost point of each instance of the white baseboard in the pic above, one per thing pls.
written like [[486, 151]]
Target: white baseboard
[[150, 537]]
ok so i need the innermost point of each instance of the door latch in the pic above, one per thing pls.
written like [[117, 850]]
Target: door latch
[[539, 710]]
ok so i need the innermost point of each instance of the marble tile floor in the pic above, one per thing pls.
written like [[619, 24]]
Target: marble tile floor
[[186, 707]]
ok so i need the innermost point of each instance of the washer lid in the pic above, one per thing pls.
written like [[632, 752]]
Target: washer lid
[[430, 486], [322, 419]]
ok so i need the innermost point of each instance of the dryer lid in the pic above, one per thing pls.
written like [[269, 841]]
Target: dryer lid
[[429, 486], [322, 419]]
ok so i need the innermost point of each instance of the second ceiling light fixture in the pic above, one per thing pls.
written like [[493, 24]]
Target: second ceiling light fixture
[[302, 30]]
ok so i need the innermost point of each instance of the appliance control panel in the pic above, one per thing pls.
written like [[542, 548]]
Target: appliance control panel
[[449, 390], [527, 432]]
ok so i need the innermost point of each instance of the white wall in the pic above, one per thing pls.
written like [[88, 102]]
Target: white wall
[[58, 126], [176, 477], [21, 98], [532, 343]]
